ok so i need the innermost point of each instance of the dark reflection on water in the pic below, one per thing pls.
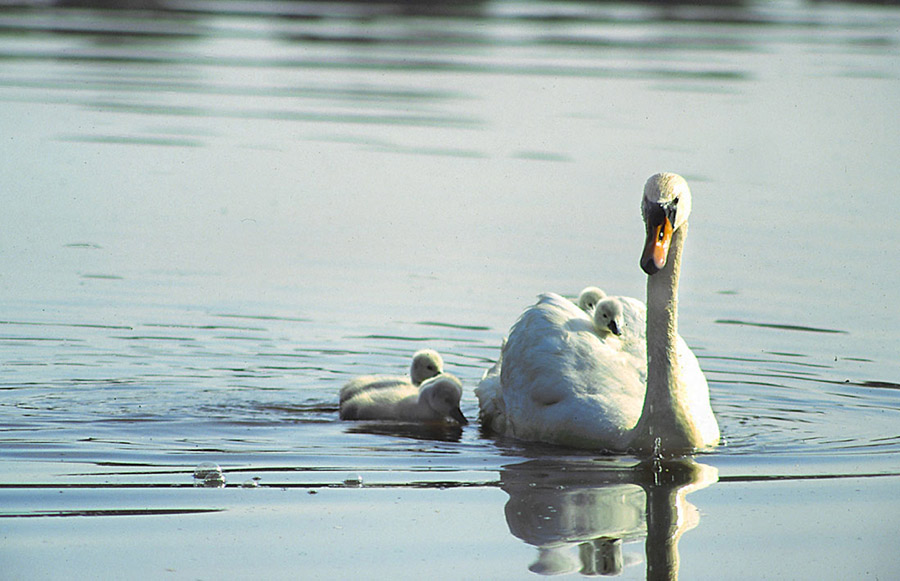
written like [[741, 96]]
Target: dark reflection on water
[[388, 37], [111, 512], [779, 326], [595, 508], [431, 431]]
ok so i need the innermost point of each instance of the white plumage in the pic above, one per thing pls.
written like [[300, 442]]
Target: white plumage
[[559, 380]]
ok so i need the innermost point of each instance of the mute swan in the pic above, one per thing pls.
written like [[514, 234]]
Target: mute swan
[[589, 297], [437, 398], [557, 381]]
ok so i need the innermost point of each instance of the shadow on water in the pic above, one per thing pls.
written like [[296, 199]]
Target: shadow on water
[[433, 431], [579, 514], [404, 7], [724, 11]]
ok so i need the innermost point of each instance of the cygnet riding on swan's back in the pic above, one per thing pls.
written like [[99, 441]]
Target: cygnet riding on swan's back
[[628, 315], [589, 297], [560, 380], [609, 317], [428, 394]]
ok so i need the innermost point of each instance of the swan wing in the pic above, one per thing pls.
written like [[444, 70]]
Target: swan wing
[[696, 392], [490, 400]]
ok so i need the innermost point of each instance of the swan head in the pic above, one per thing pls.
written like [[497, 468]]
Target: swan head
[[442, 393], [589, 298], [666, 206], [425, 364], [609, 317]]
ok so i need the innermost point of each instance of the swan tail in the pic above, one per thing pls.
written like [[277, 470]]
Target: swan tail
[[490, 400]]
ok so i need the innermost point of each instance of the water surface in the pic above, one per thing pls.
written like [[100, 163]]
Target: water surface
[[215, 214]]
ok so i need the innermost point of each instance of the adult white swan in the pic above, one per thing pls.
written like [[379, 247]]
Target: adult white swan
[[559, 381]]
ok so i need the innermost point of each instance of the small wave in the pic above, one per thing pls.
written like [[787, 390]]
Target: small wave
[[453, 326], [879, 384], [72, 325], [780, 326], [263, 317], [110, 512]]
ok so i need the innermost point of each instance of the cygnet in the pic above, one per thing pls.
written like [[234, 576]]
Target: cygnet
[[589, 298], [426, 363], [609, 317], [435, 400]]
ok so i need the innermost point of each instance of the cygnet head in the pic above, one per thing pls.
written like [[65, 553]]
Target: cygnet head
[[442, 394], [589, 298], [609, 317], [665, 206], [425, 364]]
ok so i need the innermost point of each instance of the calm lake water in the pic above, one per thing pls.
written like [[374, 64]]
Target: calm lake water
[[215, 213]]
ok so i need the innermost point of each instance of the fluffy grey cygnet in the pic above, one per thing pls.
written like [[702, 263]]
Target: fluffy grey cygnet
[[609, 317], [436, 399], [426, 363], [589, 297]]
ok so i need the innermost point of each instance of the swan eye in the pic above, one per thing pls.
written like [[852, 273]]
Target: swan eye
[[671, 214]]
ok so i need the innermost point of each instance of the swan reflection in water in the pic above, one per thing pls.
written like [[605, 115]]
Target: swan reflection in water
[[558, 505]]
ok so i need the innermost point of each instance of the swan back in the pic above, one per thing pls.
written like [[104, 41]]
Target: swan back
[[562, 383]]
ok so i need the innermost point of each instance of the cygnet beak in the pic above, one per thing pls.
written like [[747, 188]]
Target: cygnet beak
[[615, 327], [457, 415]]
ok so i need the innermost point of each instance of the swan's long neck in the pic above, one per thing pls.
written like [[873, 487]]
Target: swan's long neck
[[665, 424]]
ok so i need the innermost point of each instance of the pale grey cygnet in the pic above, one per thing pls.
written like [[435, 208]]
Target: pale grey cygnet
[[589, 297], [609, 317]]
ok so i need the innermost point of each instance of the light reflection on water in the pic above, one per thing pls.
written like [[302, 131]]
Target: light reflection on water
[[223, 211]]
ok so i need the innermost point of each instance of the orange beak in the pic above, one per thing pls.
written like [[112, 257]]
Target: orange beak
[[656, 247]]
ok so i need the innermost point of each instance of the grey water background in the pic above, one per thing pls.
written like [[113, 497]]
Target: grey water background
[[214, 213]]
